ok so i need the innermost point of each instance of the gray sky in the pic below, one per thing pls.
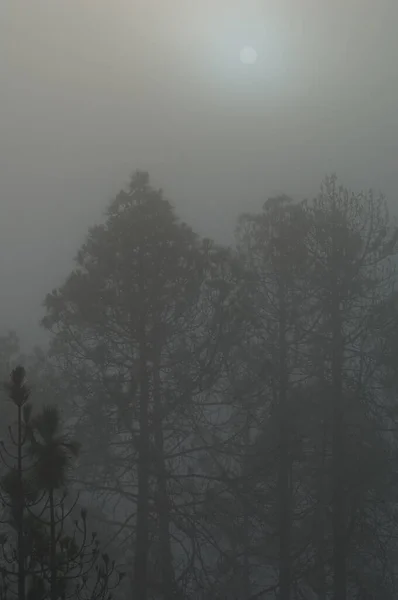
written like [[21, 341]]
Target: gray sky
[[91, 89]]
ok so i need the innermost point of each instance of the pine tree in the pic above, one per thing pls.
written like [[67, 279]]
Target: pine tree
[[53, 556], [143, 324], [17, 493]]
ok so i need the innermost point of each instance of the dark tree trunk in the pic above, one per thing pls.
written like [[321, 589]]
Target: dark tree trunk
[[169, 588], [246, 581], [53, 564], [338, 500], [338, 434], [284, 472], [20, 511], [142, 535], [320, 519]]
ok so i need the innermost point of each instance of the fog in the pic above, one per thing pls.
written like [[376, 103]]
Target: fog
[[202, 412], [92, 89]]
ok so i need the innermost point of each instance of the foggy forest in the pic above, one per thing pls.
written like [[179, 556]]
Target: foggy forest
[[210, 421], [198, 382]]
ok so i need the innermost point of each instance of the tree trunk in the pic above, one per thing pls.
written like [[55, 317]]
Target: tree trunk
[[20, 512], [246, 581], [284, 472], [169, 588], [338, 434], [53, 542], [338, 500], [320, 518], [142, 531]]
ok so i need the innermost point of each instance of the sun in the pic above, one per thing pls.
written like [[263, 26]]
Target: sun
[[248, 55]]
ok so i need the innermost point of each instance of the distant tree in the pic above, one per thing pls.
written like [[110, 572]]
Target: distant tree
[[9, 353], [351, 243], [364, 243], [272, 246]]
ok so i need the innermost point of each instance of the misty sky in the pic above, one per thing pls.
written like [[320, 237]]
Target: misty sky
[[91, 89]]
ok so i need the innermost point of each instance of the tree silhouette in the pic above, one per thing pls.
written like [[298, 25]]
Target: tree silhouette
[[52, 452], [145, 325], [235, 402], [18, 494], [53, 551]]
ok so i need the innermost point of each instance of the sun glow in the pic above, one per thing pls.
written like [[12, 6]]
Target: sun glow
[[248, 55]]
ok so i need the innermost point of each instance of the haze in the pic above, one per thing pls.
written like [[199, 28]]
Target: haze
[[92, 89]]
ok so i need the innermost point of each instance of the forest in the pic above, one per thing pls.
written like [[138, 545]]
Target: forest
[[209, 422]]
